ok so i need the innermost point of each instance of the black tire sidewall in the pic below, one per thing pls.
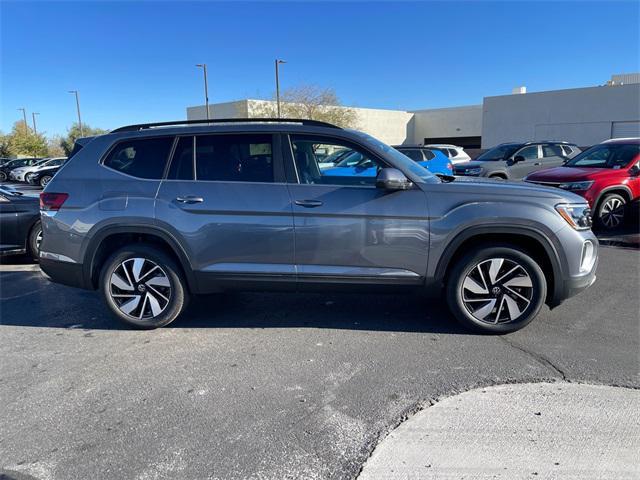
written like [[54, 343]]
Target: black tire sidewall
[[179, 297], [604, 200], [465, 264], [3, 177], [41, 180], [33, 234]]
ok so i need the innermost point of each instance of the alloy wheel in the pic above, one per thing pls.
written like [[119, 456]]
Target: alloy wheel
[[44, 181], [497, 290], [612, 213], [140, 288], [38, 241]]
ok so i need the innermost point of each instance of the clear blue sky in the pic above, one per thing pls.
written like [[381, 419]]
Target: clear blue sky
[[134, 61]]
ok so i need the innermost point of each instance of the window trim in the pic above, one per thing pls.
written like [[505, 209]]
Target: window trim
[[291, 159], [113, 146]]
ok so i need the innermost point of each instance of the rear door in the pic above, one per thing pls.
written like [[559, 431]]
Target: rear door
[[226, 201], [552, 156], [346, 229]]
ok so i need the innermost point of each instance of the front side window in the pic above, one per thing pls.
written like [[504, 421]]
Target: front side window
[[356, 167], [606, 156], [529, 153], [235, 158], [142, 158], [181, 167]]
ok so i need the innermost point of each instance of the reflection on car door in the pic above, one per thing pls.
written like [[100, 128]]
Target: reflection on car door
[[346, 229], [226, 199]]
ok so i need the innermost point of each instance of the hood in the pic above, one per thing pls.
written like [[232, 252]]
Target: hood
[[517, 190], [568, 174]]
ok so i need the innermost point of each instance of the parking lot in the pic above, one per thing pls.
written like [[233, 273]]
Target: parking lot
[[258, 385]]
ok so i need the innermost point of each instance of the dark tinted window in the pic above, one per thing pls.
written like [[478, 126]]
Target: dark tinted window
[[429, 155], [552, 151], [234, 158], [567, 150], [143, 158], [182, 162], [413, 154], [501, 152], [606, 156]]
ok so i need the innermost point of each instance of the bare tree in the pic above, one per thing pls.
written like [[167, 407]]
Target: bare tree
[[308, 102]]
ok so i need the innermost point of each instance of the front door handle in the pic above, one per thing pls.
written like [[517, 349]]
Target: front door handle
[[189, 199], [537, 164], [309, 203]]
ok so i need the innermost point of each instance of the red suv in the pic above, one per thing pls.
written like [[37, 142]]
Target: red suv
[[606, 175]]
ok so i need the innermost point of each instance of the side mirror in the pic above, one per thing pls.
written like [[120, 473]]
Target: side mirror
[[634, 171], [392, 179], [518, 158]]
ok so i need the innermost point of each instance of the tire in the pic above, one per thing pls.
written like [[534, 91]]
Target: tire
[[143, 304], [35, 238], [498, 177], [491, 304], [3, 177], [45, 180], [611, 211]]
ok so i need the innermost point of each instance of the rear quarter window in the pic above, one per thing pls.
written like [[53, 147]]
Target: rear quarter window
[[142, 158]]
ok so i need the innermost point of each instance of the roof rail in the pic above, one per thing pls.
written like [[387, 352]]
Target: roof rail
[[145, 126]]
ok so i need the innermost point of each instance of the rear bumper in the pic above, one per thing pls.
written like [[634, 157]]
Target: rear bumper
[[66, 273]]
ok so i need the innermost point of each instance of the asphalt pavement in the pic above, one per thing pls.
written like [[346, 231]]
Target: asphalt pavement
[[270, 386]]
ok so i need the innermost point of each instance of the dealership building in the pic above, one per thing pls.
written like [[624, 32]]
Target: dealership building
[[583, 116]]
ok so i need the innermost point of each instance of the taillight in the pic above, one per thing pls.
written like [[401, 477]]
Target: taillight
[[52, 201], [450, 166]]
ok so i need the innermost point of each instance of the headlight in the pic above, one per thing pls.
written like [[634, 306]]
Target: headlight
[[576, 185], [576, 215], [473, 171]]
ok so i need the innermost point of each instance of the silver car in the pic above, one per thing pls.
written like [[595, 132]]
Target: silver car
[[152, 214]]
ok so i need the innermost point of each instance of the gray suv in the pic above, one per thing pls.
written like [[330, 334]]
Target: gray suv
[[515, 161], [152, 214]]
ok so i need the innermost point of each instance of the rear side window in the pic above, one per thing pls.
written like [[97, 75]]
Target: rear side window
[[567, 150], [429, 155], [552, 151], [235, 158], [413, 154], [142, 158]]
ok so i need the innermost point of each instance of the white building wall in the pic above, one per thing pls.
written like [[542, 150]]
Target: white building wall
[[447, 122], [584, 116], [237, 109]]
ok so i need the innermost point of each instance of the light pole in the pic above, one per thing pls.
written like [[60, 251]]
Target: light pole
[[33, 115], [24, 116], [206, 87], [278, 62], [75, 92]]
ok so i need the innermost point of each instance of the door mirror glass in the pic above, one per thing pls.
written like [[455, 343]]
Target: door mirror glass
[[392, 179], [518, 158]]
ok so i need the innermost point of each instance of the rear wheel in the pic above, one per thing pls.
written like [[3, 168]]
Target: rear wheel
[[496, 289], [35, 239], [3, 176], [143, 286], [45, 180], [610, 213]]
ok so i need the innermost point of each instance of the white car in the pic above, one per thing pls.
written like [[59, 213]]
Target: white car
[[456, 154], [20, 174]]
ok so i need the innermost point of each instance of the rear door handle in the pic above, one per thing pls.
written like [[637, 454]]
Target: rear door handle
[[189, 199], [309, 203]]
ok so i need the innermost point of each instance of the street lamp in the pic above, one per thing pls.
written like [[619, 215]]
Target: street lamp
[[33, 115], [24, 116], [75, 92], [278, 62], [206, 87]]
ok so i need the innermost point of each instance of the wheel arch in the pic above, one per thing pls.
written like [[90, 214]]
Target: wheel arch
[[535, 243], [109, 239], [622, 190]]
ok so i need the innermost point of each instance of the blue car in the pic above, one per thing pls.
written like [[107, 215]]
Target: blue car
[[355, 164]]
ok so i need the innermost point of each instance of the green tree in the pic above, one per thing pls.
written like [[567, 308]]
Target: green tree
[[309, 102], [5, 152], [73, 133], [54, 147], [23, 141]]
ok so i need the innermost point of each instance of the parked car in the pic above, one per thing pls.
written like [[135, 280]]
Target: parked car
[[432, 159], [20, 227], [333, 158], [456, 154], [606, 175], [150, 216], [17, 163], [43, 173], [517, 160], [20, 174]]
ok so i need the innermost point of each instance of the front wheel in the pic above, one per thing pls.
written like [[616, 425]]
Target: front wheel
[[496, 289], [143, 286], [611, 211]]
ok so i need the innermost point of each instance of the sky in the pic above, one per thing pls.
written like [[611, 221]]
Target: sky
[[134, 62]]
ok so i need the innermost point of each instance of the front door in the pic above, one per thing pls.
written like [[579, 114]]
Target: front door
[[226, 201], [346, 229], [531, 162]]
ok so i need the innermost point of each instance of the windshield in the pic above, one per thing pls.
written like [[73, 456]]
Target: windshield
[[605, 156], [402, 160], [501, 152]]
